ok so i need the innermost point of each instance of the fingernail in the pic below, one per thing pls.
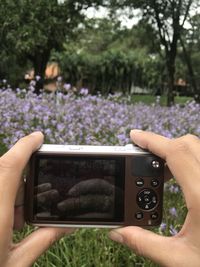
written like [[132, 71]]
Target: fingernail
[[136, 131], [36, 133], [116, 236]]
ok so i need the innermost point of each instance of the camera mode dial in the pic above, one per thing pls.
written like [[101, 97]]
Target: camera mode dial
[[147, 199]]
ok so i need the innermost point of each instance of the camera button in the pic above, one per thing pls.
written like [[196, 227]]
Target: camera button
[[147, 192], [139, 182], [139, 215], [154, 183], [154, 215], [147, 199], [155, 164]]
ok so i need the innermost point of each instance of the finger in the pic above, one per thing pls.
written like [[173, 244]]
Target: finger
[[96, 215], [157, 144], [193, 145], [179, 158], [167, 174], [19, 201], [19, 208], [91, 186], [18, 218], [42, 188], [47, 197], [89, 203], [47, 215], [14, 161], [145, 243], [37, 243]]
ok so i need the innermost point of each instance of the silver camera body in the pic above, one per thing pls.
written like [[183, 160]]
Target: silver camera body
[[94, 186]]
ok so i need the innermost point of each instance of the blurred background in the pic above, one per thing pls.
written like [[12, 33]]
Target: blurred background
[[135, 47]]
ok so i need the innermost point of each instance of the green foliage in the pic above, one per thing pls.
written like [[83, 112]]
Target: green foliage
[[3, 147], [33, 26], [11, 69], [87, 248], [99, 53], [92, 247], [111, 71], [168, 18], [97, 36], [191, 40], [31, 29], [109, 58]]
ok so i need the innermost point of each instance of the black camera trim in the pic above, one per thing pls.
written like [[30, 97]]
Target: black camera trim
[[136, 164]]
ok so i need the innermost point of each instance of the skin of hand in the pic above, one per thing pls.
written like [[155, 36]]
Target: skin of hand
[[182, 156], [29, 249]]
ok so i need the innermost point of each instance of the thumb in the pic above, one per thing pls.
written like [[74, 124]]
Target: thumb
[[28, 250], [144, 242]]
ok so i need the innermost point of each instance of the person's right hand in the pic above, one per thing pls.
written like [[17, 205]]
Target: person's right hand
[[182, 156]]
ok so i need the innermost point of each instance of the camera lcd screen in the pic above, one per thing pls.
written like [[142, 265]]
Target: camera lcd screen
[[79, 189]]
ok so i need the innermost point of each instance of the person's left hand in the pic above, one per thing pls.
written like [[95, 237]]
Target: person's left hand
[[28, 250]]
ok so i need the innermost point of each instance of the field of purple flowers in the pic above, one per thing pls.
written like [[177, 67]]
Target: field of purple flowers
[[85, 119]]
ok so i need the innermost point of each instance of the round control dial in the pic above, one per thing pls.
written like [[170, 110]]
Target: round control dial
[[147, 199]]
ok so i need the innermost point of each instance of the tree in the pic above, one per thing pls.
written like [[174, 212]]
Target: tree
[[107, 57], [31, 29], [190, 43], [168, 17]]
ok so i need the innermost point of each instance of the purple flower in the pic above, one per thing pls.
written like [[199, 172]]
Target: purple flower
[[172, 230], [174, 189], [32, 83], [163, 227], [171, 188], [173, 212], [69, 118], [59, 79], [67, 86], [84, 91], [37, 78]]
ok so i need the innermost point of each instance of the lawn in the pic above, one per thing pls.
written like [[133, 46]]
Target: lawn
[[86, 119], [150, 99]]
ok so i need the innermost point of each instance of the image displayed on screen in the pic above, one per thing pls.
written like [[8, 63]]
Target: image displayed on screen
[[79, 189]]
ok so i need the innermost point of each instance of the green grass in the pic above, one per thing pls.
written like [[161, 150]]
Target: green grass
[[93, 248], [88, 248], [150, 99], [3, 148]]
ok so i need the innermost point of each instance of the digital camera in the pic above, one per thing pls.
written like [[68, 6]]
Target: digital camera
[[94, 186]]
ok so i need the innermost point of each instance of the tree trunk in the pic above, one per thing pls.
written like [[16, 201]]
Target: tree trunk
[[197, 97], [171, 73], [39, 63], [196, 89]]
